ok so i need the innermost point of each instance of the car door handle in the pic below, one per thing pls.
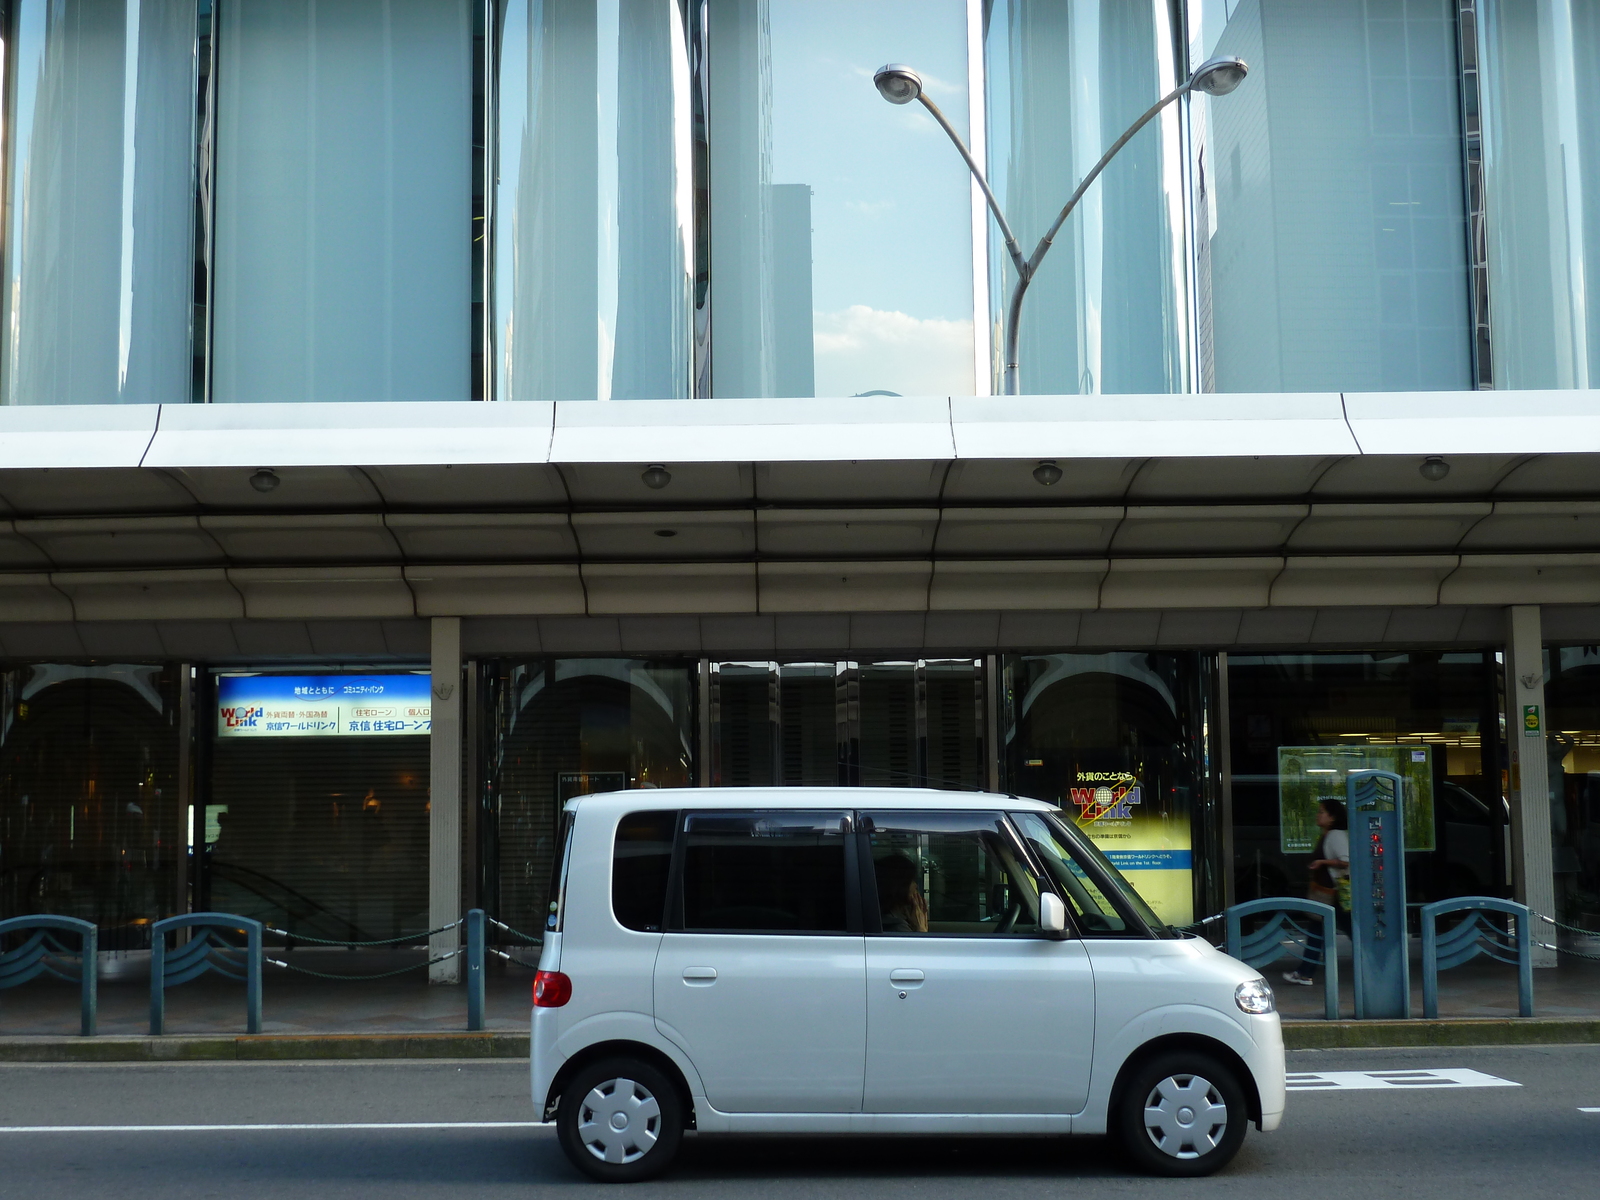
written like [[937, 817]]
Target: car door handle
[[905, 977], [699, 976]]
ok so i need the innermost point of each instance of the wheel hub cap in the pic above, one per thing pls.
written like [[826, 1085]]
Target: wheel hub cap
[[619, 1121], [1185, 1116]]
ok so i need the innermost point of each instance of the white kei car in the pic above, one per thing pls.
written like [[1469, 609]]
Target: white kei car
[[882, 961]]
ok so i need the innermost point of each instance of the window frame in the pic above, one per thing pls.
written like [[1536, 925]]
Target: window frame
[[867, 881], [1137, 928], [616, 840], [853, 908]]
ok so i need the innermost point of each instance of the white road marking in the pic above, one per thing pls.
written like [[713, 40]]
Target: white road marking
[[1439, 1077], [222, 1128], [1589, 1110]]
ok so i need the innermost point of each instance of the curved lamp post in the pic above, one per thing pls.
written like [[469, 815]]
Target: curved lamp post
[[899, 84]]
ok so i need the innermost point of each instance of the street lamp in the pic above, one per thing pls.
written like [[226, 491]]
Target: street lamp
[[899, 84]]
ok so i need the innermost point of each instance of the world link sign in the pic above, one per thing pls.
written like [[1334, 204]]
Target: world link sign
[[324, 705]]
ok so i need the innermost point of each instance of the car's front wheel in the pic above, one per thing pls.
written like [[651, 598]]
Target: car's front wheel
[[620, 1120], [1182, 1114]]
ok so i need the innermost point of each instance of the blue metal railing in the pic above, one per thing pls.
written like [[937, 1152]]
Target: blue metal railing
[[1474, 936], [44, 954], [206, 951], [1266, 944]]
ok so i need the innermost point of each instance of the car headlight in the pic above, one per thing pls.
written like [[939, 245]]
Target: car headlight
[[1254, 997]]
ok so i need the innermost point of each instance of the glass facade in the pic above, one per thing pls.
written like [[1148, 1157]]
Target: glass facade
[[1106, 312], [100, 237], [321, 835], [1301, 722], [593, 201], [1541, 157], [122, 801], [1572, 699], [288, 200], [840, 241], [90, 823], [341, 265], [876, 724], [559, 728], [1330, 189], [1118, 741]]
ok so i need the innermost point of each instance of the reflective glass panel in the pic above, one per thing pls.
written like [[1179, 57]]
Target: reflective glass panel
[[1541, 157], [1303, 722], [343, 200], [1116, 741], [1329, 195], [100, 244], [593, 252], [841, 225], [1065, 78]]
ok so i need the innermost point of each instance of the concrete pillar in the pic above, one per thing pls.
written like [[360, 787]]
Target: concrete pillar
[[444, 798], [1532, 866]]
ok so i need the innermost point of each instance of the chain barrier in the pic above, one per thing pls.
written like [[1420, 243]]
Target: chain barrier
[[527, 937], [278, 962], [1594, 933], [512, 958], [394, 941]]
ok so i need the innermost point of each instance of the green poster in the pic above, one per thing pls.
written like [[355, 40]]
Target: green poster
[[1308, 775]]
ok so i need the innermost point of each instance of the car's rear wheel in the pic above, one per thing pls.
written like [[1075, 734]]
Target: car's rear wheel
[[1182, 1114], [620, 1120]]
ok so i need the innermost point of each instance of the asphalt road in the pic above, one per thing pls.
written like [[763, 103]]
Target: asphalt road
[[1531, 1140]]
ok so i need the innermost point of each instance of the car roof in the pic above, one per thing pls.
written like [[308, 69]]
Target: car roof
[[647, 799]]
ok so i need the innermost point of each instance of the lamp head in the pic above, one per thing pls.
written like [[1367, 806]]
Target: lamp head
[[898, 83], [1219, 76]]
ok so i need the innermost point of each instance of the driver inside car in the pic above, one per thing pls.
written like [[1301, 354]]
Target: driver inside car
[[904, 909]]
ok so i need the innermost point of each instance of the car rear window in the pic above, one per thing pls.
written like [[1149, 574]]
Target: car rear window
[[640, 863]]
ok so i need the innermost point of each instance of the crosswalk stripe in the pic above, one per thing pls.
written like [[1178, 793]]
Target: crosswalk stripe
[[1439, 1077]]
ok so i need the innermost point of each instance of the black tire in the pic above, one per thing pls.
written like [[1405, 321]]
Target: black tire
[[620, 1120], [1168, 1116]]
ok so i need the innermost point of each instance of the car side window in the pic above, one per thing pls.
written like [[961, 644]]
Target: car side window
[[956, 874], [1093, 910], [765, 872], [640, 863]]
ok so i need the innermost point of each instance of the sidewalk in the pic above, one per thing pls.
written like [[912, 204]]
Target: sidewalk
[[403, 1016], [291, 1003], [1480, 988]]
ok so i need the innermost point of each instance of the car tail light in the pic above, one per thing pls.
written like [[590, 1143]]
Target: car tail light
[[551, 989]]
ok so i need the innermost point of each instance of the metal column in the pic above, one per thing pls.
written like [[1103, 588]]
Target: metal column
[[444, 799], [1532, 865]]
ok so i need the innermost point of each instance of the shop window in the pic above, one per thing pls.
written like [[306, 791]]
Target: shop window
[[1301, 723], [1572, 699], [1117, 741], [878, 724], [89, 818], [560, 728], [317, 819]]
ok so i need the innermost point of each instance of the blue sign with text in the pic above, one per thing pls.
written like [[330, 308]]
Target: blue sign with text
[[324, 705]]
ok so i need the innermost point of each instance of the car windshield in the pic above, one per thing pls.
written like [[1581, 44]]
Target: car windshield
[[1066, 854]]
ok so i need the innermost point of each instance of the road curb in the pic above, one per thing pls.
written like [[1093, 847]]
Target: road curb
[[1297, 1035], [1461, 1031], [264, 1047]]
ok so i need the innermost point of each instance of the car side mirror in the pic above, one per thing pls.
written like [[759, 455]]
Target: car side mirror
[[1052, 913]]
